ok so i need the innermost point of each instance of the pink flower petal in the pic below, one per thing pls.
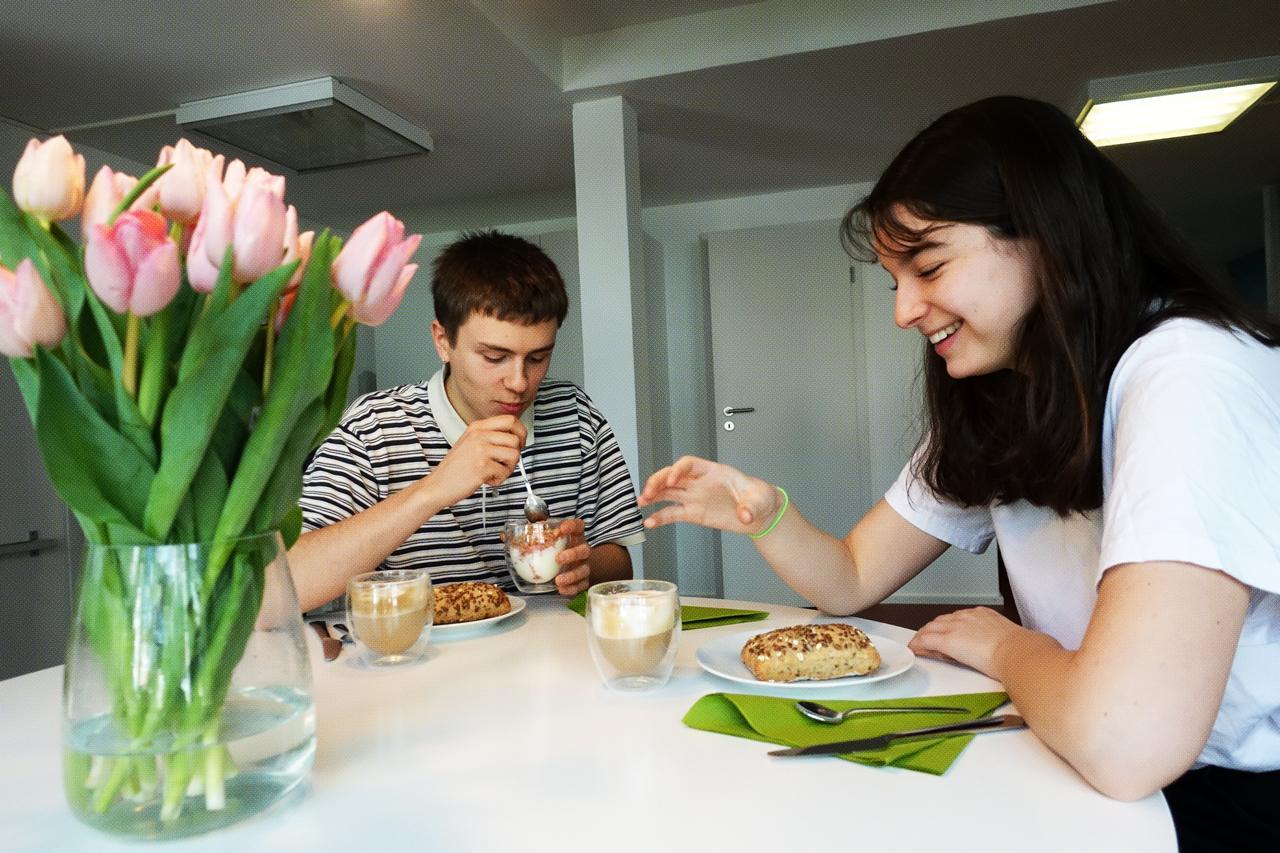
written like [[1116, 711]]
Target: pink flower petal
[[157, 280]]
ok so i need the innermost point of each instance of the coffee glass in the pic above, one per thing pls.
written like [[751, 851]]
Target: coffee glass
[[390, 614], [633, 629], [532, 547]]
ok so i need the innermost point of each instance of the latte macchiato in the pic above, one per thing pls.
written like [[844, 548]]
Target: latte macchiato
[[634, 629], [390, 613]]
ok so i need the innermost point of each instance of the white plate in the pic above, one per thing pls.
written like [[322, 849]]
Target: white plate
[[722, 657], [517, 604]]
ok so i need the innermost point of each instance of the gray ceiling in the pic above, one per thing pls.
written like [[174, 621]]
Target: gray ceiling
[[476, 75]]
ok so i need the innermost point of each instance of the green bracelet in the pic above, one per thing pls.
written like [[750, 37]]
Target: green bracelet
[[786, 502]]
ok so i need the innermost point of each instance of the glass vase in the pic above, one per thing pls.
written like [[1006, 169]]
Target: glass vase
[[187, 691]]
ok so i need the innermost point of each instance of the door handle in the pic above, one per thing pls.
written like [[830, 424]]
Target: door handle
[[738, 410], [32, 546]]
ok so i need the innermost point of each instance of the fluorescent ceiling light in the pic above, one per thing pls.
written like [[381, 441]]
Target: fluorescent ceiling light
[[1181, 102], [313, 124], [1166, 116]]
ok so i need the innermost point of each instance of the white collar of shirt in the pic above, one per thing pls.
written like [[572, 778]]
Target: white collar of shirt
[[447, 417]]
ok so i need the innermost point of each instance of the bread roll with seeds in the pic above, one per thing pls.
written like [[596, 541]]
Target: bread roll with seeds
[[810, 652], [469, 601]]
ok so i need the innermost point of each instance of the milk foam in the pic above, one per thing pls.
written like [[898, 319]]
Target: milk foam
[[632, 614]]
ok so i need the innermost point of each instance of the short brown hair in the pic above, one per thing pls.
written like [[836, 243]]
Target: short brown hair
[[496, 275]]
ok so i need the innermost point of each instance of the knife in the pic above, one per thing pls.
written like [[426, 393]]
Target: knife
[[840, 747], [331, 645]]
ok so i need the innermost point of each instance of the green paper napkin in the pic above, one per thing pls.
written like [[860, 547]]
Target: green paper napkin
[[775, 720], [692, 616]]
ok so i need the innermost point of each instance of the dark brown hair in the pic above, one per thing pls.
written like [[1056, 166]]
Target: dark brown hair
[[496, 275], [1108, 270]]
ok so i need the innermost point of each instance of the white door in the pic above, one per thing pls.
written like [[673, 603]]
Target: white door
[[805, 337], [35, 576]]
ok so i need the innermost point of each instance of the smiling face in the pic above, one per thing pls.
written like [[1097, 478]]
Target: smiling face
[[965, 289], [495, 366]]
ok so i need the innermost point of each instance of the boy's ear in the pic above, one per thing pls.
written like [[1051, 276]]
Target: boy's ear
[[440, 338]]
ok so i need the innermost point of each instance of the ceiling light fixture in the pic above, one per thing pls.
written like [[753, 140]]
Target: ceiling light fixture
[[313, 124], [1181, 102]]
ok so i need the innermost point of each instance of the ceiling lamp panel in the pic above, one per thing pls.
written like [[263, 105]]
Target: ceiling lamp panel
[[310, 125]]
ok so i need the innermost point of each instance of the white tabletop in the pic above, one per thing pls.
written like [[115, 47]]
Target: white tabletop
[[505, 739]]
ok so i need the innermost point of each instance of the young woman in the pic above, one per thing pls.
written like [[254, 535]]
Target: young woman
[[1112, 420]]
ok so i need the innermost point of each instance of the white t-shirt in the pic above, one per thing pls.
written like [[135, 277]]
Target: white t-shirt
[[1191, 473]]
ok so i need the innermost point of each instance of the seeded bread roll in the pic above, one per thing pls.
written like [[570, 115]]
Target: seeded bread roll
[[469, 601], [810, 652]]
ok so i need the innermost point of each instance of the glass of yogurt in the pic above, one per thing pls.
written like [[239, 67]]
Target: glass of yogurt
[[532, 547]]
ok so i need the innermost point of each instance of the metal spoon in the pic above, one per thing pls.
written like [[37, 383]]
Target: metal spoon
[[823, 714], [535, 508]]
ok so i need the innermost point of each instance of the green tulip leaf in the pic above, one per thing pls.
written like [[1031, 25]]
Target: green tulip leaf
[[303, 366], [92, 467], [196, 402]]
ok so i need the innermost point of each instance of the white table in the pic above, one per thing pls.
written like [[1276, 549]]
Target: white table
[[505, 739]]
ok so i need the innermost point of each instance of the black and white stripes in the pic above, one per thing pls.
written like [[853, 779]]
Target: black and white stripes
[[389, 439]]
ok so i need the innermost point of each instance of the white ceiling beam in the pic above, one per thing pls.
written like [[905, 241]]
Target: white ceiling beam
[[766, 30], [530, 33]]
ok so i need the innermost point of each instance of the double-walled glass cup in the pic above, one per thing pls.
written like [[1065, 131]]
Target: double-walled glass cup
[[633, 628], [532, 548], [390, 614]]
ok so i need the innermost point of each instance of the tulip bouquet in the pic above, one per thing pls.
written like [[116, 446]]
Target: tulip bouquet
[[178, 367]]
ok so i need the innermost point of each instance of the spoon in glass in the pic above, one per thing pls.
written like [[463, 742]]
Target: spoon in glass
[[823, 714], [535, 508]]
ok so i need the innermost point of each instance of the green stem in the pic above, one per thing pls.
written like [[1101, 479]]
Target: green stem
[[130, 378], [107, 792], [175, 785], [215, 795], [271, 348], [338, 314], [154, 367]]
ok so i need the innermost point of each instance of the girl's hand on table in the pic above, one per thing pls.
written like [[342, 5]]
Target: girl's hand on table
[[972, 637]]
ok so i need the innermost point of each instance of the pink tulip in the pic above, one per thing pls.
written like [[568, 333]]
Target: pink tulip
[[297, 247], [133, 265], [49, 180], [181, 190], [29, 314], [371, 270], [244, 210], [202, 274], [105, 194]]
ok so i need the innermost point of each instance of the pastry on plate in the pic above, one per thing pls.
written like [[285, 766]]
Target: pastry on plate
[[468, 602], [810, 652]]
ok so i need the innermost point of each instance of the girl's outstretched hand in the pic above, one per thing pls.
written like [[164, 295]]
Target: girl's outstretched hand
[[710, 494]]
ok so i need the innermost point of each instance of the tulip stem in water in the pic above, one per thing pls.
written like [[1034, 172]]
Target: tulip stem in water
[[130, 378]]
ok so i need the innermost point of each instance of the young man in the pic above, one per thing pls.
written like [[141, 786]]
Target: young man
[[419, 476]]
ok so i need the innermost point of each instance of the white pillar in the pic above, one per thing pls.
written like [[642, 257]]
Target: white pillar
[[1271, 245], [611, 270]]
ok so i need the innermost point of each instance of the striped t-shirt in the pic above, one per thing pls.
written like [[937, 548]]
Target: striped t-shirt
[[389, 439]]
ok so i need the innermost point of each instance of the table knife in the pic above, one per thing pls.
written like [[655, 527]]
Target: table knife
[[330, 645], [840, 747]]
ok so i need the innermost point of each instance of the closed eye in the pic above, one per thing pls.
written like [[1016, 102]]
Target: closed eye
[[930, 272]]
